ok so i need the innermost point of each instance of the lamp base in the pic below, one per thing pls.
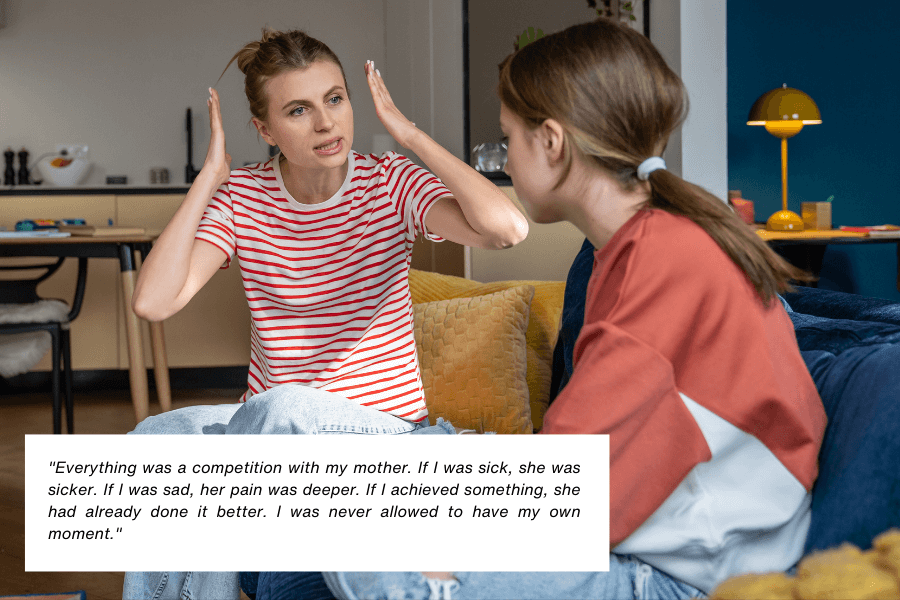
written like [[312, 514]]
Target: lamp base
[[785, 220]]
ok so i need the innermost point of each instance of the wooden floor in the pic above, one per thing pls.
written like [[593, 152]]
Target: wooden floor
[[95, 413]]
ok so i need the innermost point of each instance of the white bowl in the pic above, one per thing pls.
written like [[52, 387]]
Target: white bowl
[[71, 174]]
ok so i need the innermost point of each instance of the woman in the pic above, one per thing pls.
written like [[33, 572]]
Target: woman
[[686, 358], [324, 237]]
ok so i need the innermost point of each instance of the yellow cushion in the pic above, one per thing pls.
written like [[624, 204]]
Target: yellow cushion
[[473, 360], [543, 322]]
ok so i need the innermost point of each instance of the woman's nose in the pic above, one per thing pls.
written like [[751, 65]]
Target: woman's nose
[[324, 122]]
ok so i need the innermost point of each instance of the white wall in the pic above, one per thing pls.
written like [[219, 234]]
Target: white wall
[[118, 75], [423, 46], [691, 35]]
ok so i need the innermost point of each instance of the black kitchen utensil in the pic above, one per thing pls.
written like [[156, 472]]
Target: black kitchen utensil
[[23, 176], [9, 174], [190, 173]]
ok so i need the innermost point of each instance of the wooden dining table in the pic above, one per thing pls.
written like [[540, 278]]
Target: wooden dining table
[[122, 248]]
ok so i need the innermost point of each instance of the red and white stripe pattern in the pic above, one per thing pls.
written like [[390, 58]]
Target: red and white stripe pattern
[[327, 283]]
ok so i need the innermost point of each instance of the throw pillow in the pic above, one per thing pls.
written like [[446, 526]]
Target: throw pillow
[[543, 323], [472, 356]]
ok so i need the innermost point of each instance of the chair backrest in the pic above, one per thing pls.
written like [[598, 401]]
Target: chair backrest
[[17, 290]]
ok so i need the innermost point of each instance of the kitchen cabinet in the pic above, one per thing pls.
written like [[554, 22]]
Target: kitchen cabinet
[[213, 330]]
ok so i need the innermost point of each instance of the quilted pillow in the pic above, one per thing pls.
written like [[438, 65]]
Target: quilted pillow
[[473, 360], [543, 323]]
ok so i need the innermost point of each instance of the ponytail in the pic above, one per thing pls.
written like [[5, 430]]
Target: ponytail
[[767, 271]]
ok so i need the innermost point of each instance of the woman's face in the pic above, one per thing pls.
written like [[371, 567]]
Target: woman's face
[[310, 117], [527, 167]]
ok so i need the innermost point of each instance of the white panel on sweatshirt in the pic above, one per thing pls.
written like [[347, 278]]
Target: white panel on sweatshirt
[[742, 511]]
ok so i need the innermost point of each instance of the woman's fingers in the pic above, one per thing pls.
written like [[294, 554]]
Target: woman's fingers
[[215, 111]]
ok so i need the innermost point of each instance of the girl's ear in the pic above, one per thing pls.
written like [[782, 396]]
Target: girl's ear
[[263, 131], [553, 139]]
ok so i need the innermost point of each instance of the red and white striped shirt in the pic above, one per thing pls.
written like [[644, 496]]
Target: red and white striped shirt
[[327, 283]]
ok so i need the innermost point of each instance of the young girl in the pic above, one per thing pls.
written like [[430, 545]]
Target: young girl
[[324, 237], [686, 358]]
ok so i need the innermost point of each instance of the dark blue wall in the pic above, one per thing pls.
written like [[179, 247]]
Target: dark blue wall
[[845, 56]]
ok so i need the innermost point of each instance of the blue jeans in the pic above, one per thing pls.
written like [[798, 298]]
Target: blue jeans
[[628, 578], [286, 409]]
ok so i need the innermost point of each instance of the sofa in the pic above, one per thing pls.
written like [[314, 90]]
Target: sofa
[[493, 356]]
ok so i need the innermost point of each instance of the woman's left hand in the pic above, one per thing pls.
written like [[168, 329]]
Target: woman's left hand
[[402, 129]]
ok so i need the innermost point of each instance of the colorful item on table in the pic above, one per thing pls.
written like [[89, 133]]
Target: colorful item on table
[[875, 230], [38, 224]]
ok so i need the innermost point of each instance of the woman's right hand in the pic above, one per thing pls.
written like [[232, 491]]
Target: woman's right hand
[[218, 162]]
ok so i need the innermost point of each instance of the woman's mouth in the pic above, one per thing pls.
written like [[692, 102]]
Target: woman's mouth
[[331, 147]]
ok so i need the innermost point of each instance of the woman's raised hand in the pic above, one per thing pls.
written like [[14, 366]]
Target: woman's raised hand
[[402, 129], [218, 162]]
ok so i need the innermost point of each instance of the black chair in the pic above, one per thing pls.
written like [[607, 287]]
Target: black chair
[[23, 311]]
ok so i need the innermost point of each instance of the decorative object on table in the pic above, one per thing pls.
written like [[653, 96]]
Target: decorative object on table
[[68, 166], [890, 231], [743, 208], [817, 215], [783, 112], [116, 179], [41, 224], [190, 173], [634, 13], [489, 157], [9, 173], [36, 224], [159, 175]]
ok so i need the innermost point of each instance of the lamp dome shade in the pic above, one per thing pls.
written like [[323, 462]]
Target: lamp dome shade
[[784, 104]]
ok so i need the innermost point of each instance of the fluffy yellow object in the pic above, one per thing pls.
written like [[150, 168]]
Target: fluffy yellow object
[[845, 573]]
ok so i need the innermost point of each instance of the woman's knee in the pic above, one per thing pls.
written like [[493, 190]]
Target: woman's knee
[[286, 409]]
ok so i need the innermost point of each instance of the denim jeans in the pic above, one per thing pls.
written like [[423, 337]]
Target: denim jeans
[[627, 578], [286, 409]]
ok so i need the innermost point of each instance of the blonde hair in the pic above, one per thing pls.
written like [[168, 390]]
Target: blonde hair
[[275, 53], [619, 102]]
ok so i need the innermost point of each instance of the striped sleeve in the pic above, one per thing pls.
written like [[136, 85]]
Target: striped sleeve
[[217, 223], [413, 191]]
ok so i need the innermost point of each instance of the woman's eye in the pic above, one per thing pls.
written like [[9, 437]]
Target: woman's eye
[[335, 99], [297, 111]]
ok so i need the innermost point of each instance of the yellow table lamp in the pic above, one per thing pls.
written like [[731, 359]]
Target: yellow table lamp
[[783, 112]]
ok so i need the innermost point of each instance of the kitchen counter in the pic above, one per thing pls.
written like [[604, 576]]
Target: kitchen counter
[[83, 190]]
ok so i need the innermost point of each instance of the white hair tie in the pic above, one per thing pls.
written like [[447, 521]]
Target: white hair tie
[[648, 166]]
